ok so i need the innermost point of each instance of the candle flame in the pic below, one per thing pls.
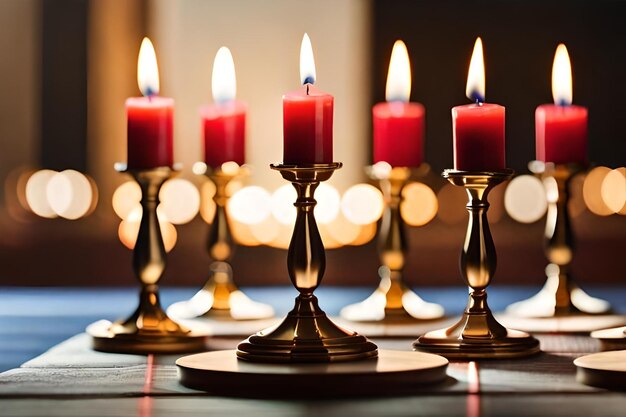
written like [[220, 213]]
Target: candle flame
[[307, 61], [399, 75], [147, 69], [224, 81], [562, 77], [475, 89]]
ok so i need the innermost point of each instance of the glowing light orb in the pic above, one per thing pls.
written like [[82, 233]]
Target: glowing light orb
[[592, 191], [343, 231], [420, 204], [362, 204], [328, 203], [180, 200], [613, 190], [207, 204], [250, 205], [129, 229], [69, 194], [126, 197], [36, 194], [265, 231], [366, 234], [283, 209], [525, 199]]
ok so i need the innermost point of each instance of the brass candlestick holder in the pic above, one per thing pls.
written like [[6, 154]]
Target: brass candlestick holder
[[148, 329], [393, 300], [220, 298], [560, 296], [306, 334], [478, 334]]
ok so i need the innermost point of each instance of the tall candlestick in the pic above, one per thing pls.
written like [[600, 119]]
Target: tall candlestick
[[307, 117], [398, 124], [478, 128], [561, 129], [150, 124], [224, 122]]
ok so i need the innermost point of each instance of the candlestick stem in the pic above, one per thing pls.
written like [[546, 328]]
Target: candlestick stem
[[393, 300], [560, 295], [478, 334], [220, 297], [148, 329], [306, 334]]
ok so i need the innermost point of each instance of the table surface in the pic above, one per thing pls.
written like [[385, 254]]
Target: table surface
[[70, 379]]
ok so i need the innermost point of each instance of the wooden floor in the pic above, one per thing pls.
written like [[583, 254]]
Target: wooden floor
[[72, 380]]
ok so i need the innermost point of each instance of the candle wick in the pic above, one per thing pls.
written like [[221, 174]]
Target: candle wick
[[307, 89]]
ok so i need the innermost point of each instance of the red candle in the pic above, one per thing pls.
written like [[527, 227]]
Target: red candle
[[561, 129], [478, 129], [150, 118], [224, 123], [398, 124], [307, 117]]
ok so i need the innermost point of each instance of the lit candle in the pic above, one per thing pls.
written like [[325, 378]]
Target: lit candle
[[561, 129], [398, 124], [224, 122], [478, 128], [150, 117], [307, 117]]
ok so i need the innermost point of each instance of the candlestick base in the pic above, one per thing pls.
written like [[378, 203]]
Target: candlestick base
[[220, 298], [306, 334], [478, 335], [611, 339], [148, 329], [560, 295], [393, 301], [604, 370]]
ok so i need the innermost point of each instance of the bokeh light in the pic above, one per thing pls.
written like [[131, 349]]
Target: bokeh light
[[362, 204], [613, 190], [207, 204], [69, 194], [126, 198], [265, 231], [328, 203], [129, 229], [283, 236], [592, 191], [525, 199], [283, 209], [242, 234], [180, 200], [420, 204], [343, 231], [36, 194], [250, 205], [366, 234]]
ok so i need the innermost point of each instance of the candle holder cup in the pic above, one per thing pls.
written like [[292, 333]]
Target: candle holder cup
[[393, 300], [148, 329], [560, 296], [220, 298], [306, 334], [478, 335]]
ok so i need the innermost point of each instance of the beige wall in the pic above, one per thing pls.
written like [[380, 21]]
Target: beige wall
[[265, 43], [115, 33], [19, 84]]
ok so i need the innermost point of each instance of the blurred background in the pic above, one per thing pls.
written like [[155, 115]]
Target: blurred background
[[67, 67]]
